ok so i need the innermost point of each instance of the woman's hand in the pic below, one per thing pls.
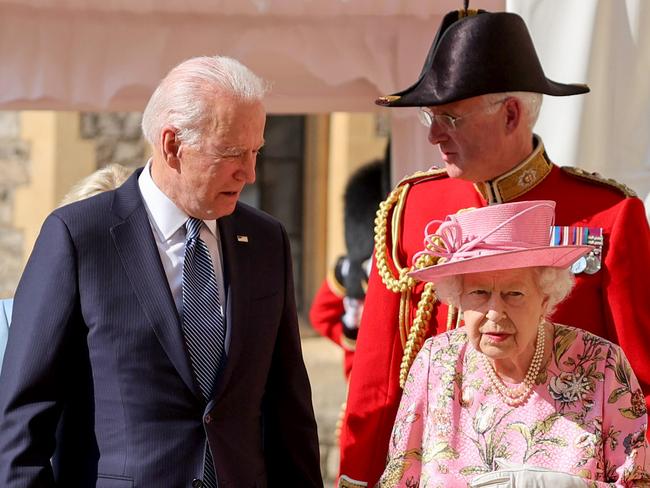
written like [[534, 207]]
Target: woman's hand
[[512, 475]]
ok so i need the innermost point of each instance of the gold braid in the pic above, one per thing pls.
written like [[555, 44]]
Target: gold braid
[[417, 332], [404, 283]]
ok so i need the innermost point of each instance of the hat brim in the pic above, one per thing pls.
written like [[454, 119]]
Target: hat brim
[[555, 257], [420, 94]]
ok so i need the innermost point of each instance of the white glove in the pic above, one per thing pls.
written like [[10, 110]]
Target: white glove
[[353, 309], [512, 475]]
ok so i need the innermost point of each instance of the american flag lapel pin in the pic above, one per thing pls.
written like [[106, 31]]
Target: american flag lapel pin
[[241, 238]]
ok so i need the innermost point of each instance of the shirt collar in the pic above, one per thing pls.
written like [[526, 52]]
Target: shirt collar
[[166, 217], [520, 179]]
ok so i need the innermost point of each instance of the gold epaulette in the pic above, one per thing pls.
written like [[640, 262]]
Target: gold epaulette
[[412, 336], [420, 176], [600, 180], [395, 203]]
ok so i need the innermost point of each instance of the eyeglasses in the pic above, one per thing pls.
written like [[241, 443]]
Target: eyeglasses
[[448, 122]]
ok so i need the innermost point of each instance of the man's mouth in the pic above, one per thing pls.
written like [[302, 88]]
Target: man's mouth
[[446, 154]]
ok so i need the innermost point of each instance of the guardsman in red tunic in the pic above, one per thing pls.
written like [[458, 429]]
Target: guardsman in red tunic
[[338, 304], [479, 93], [326, 315]]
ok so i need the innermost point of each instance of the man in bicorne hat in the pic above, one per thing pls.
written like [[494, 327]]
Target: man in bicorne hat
[[479, 93]]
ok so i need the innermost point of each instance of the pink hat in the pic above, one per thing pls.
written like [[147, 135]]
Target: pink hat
[[505, 236]]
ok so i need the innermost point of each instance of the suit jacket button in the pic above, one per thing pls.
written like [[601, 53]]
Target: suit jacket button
[[207, 419], [197, 483]]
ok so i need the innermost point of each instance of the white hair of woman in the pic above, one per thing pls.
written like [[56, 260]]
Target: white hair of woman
[[185, 97], [107, 178]]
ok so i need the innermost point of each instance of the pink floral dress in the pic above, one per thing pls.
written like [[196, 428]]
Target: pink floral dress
[[586, 416]]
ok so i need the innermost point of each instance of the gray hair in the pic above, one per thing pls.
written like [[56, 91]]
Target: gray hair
[[531, 101], [104, 179], [554, 283], [185, 96]]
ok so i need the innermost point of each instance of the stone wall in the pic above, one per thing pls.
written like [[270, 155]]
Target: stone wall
[[117, 136], [14, 171]]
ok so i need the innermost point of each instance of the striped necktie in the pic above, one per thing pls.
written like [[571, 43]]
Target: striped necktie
[[203, 325]]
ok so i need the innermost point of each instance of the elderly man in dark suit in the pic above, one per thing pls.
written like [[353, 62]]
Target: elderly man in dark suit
[[154, 339]]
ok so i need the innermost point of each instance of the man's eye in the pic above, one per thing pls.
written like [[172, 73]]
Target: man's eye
[[479, 292]]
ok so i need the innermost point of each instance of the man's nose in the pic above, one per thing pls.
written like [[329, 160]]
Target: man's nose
[[246, 171], [437, 133]]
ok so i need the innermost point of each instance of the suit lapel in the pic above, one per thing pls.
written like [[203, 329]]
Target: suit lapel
[[137, 249], [236, 259]]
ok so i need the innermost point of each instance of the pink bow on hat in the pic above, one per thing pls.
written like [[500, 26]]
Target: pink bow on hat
[[447, 242]]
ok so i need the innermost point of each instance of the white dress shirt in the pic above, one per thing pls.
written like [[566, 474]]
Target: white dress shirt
[[168, 225]]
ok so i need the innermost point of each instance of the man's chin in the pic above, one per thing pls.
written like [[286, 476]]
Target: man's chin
[[453, 171], [459, 172]]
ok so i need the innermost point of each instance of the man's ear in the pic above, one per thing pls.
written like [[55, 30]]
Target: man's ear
[[171, 147], [514, 113]]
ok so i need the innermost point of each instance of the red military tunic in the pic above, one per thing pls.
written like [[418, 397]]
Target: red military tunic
[[325, 316], [612, 303]]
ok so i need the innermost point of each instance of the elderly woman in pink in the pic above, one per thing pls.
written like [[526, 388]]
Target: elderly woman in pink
[[510, 398]]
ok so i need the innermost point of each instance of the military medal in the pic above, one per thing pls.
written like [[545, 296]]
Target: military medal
[[573, 235], [595, 238], [579, 266]]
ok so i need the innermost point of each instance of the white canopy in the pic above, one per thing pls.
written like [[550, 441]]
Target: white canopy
[[335, 55], [606, 44], [321, 55]]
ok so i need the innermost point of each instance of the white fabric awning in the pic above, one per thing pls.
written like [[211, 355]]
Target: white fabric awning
[[335, 55], [320, 55], [605, 44]]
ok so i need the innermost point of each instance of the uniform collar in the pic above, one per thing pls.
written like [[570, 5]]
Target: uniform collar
[[520, 179]]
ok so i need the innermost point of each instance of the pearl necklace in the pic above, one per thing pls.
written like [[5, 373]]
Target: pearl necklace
[[515, 396]]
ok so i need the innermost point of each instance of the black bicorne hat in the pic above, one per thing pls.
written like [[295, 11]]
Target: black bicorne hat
[[475, 53]]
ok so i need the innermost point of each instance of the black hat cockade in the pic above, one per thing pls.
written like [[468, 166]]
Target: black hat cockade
[[475, 53]]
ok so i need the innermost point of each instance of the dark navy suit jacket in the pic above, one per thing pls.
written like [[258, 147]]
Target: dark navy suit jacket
[[96, 373]]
